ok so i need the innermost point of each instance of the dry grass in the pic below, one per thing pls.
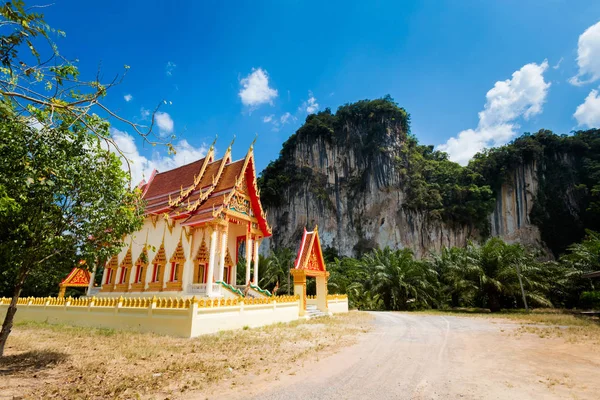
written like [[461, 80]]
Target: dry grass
[[545, 323], [53, 361]]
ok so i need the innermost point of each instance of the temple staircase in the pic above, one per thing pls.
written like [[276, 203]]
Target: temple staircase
[[313, 312]]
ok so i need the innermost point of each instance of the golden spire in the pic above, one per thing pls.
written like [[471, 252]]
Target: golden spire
[[231, 144], [212, 146]]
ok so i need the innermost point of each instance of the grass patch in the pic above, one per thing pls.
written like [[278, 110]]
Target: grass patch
[[75, 362], [545, 323]]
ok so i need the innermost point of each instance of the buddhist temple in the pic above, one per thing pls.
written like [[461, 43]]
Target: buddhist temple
[[200, 220]]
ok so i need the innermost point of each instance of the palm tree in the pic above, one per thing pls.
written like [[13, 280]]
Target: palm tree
[[276, 268], [458, 272], [397, 280], [496, 265]]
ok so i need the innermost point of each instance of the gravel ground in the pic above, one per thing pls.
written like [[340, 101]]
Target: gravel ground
[[413, 356]]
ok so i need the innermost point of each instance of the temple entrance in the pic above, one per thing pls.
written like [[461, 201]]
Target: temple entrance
[[310, 263]]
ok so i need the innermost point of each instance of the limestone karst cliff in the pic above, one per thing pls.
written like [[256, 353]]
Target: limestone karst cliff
[[366, 182]]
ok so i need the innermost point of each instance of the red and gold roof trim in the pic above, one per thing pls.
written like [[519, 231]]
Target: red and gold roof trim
[[206, 190]]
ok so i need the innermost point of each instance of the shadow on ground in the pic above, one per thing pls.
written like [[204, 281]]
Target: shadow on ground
[[30, 361]]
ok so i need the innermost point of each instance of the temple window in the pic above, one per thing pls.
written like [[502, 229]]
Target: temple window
[[123, 275], [108, 276], [156, 273], [174, 271], [139, 273], [200, 271]]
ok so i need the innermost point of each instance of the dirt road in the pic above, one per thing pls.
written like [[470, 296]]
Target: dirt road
[[412, 356]]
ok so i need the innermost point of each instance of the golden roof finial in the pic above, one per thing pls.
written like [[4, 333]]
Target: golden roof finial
[[212, 146], [253, 142], [231, 144]]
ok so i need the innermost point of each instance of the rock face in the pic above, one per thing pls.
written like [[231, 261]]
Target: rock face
[[510, 219], [352, 189]]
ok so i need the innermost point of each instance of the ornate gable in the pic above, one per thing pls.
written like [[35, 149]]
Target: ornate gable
[[202, 255], [143, 258], [310, 255], [161, 256], [113, 263], [127, 261], [178, 254], [78, 277]]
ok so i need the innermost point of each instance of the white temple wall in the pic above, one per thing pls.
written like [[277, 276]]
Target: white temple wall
[[180, 322]]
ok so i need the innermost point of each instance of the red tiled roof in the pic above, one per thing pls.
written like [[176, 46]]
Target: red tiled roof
[[169, 183], [310, 244], [173, 180]]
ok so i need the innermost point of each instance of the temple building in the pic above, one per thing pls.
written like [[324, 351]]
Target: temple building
[[200, 220]]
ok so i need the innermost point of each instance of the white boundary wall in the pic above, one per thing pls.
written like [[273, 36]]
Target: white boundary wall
[[181, 322]]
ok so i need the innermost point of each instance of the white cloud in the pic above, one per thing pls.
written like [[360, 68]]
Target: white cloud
[[588, 113], [128, 97], [520, 97], [164, 122], [255, 89], [268, 118], [557, 66], [309, 106], [144, 113], [287, 118], [170, 68], [588, 56], [141, 167]]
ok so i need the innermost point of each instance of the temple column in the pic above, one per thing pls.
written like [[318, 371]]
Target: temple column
[[211, 262], [248, 257], [222, 255], [166, 273], [233, 272], [188, 266], [255, 255], [104, 276], [149, 272], [322, 293], [132, 274], [92, 278]]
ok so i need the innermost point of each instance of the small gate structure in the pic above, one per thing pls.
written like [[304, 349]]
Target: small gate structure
[[310, 263], [78, 277]]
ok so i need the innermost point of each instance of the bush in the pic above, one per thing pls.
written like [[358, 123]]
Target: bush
[[590, 300]]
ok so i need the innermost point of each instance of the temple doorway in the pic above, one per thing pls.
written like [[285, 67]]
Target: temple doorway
[[310, 264]]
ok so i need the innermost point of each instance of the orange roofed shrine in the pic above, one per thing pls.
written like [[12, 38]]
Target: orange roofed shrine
[[78, 277], [200, 220], [310, 263]]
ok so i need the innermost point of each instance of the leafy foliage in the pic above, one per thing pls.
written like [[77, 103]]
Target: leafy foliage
[[567, 201], [443, 188], [63, 199]]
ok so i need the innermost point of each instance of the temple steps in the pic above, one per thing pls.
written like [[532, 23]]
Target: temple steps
[[313, 312]]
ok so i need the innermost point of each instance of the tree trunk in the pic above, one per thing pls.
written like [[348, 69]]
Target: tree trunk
[[10, 313], [494, 302], [455, 299]]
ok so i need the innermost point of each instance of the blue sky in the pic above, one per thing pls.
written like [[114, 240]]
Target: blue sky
[[438, 59]]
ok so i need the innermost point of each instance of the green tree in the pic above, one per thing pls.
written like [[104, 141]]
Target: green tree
[[276, 269], [398, 281], [493, 269], [41, 84], [581, 258], [63, 197], [458, 273]]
